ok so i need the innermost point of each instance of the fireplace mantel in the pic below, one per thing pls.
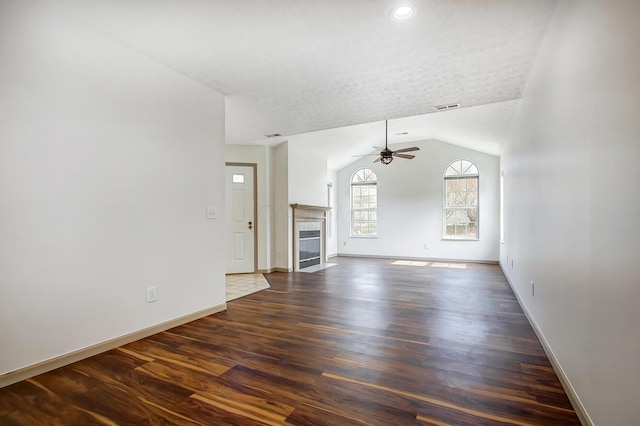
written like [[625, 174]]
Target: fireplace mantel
[[308, 207]]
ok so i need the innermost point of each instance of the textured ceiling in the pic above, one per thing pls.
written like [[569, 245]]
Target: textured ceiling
[[483, 128], [300, 66]]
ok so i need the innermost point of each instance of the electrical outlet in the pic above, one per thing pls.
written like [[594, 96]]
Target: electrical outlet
[[427, 246], [211, 213], [152, 294], [533, 289]]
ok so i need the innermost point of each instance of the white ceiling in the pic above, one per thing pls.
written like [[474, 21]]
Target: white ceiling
[[299, 66]]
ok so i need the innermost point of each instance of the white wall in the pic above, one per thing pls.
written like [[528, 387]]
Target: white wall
[[307, 174], [107, 164], [260, 156], [410, 210], [572, 200], [283, 231], [300, 178]]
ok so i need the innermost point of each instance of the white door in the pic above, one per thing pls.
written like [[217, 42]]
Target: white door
[[240, 225]]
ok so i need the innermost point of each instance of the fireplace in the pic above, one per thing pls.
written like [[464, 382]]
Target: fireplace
[[309, 248], [309, 236]]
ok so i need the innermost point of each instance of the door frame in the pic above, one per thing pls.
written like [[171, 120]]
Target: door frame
[[255, 207]]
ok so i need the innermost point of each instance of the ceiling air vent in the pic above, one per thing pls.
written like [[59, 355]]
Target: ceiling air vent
[[273, 135], [447, 106]]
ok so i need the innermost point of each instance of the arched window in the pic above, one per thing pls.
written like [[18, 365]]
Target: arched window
[[461, 200], [364, 203]]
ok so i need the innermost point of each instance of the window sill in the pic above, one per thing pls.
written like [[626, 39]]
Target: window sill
[[461, 239], [364, 236]]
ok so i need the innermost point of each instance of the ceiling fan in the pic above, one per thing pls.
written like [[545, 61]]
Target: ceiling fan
[[386, 155]]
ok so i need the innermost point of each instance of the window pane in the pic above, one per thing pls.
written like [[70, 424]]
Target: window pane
[[461, 192], [364, 175], [472, 199], [357, 202], [472, 184], [471, 169], [461, 223]]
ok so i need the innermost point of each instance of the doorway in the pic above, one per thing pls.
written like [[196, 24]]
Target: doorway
[[240, 228]]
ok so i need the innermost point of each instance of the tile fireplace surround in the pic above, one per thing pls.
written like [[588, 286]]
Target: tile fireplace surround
[[305, 218]]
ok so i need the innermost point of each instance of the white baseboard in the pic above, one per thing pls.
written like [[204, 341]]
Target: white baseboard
[[423, 259], [71, 357], [562, 376]]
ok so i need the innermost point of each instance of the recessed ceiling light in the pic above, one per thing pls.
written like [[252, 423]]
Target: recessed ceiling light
[[403, 13]]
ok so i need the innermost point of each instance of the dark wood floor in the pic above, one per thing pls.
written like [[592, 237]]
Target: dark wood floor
[[364, 342]]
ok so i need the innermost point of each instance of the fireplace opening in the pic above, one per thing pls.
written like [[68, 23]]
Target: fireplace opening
[[310, 248]]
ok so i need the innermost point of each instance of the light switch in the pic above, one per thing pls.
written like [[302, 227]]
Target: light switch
[[152, 294]]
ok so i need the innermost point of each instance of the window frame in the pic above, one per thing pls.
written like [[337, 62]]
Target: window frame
[[330, 211], [502, 206], [352, 209], [463, 174]]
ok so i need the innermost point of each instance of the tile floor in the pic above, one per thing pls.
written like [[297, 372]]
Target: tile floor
[[239, 285]]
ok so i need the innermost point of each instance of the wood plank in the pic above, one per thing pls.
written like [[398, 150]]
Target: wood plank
[[367, 342]]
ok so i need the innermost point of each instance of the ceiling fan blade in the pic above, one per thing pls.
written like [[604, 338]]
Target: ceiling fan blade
[[377, 148], [413, 148], [378, 160], [364, 155], [408, 157]]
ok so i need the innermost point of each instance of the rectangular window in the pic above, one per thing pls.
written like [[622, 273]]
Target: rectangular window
[[364, 204], [461, 208], [363, 213]]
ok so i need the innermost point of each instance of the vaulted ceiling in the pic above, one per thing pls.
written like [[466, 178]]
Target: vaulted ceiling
[[299, 66]]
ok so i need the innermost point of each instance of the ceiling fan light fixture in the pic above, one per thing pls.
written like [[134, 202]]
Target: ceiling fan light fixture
[[386, 160], [403, 13], [386, 155]]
